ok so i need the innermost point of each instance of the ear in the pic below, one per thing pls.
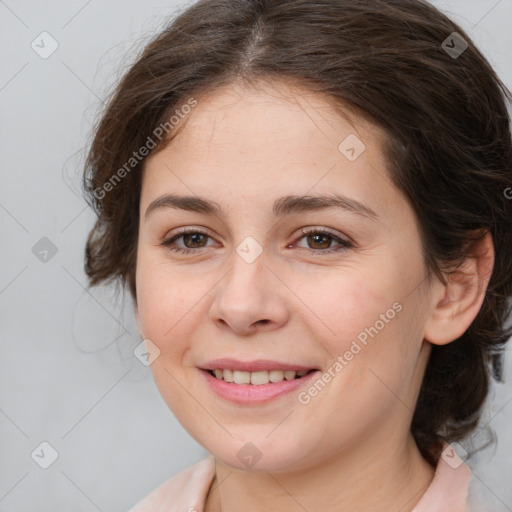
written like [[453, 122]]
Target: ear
[[456, 304]]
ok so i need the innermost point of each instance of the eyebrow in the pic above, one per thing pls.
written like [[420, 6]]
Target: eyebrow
[[286, 205]]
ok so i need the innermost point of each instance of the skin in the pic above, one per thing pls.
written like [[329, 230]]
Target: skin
[[350, 447]]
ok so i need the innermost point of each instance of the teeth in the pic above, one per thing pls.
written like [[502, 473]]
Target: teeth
[[276, 375], [240, 377], [257, 378]]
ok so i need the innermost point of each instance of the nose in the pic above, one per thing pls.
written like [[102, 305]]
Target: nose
[[249, 298]]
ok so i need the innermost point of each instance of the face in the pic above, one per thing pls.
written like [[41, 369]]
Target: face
[[333, 294]]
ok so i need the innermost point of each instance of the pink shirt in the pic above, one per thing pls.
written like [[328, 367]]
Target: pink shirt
[[187, 490]]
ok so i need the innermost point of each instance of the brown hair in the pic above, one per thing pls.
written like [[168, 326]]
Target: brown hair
[[448, 147]]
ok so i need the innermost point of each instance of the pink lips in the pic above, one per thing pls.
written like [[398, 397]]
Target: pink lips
[[252, 366], [248, 394]]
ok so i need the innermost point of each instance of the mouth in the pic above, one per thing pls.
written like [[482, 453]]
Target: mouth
[[257, 378], [256, 382]]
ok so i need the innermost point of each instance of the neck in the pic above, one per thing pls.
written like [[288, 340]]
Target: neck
[[377, 477]]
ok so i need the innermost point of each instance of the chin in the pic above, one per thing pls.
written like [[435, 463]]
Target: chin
[[276, 455]]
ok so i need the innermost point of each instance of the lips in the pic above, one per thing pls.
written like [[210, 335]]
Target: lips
[[253, 366], [256, 387]]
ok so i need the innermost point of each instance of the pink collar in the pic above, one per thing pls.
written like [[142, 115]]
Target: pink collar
[[187, 490], [448, 490]]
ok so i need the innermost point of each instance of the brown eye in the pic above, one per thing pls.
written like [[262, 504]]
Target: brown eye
[[193, 240], [319, 241]]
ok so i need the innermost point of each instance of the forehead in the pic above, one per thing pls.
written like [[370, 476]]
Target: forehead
[[271, 113], [256, 141]]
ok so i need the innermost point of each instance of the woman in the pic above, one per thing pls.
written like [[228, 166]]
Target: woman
[[308, 203]]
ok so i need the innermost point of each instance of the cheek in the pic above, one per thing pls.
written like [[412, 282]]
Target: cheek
[[164, 301], [345, 304], [169, 307], [370, 319]]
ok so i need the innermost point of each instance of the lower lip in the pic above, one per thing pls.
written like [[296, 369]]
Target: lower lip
[[252, 394]]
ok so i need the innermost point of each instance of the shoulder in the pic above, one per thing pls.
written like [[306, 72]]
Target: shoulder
[[182, 492]]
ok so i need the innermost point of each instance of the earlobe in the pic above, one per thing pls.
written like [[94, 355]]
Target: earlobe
[[456, 305]]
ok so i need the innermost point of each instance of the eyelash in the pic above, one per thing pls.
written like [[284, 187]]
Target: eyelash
[[344, 244]]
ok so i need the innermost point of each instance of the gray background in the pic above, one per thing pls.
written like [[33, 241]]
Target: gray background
[[67, 372]]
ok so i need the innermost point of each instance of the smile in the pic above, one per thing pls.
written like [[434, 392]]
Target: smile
[[258, 378], [253, 388]]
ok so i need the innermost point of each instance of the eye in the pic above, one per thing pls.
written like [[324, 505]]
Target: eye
[[320, 240], [195, 239], [191, 237]]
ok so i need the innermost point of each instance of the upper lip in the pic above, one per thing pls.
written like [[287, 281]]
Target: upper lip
[[252, 366]]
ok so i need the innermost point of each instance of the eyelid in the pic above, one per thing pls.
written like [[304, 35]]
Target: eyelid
[[168, 239], [343, 241], [328, 231]]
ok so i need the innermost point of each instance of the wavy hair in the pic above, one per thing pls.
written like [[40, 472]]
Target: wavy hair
[[448, 147]]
